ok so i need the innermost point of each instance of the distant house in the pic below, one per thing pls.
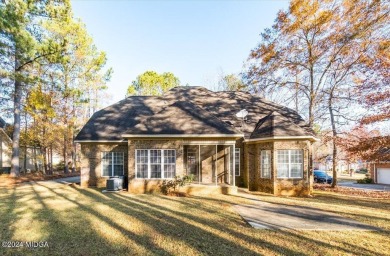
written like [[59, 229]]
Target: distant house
[[5, 148], [191, 130], [380, 170], [6, 152]]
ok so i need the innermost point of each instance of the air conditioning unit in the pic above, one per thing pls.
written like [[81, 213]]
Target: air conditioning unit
[[115, 183]]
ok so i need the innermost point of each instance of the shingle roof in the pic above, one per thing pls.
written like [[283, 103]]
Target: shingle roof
[[182, 117], [2, 123], [189, 110], [274, 124]]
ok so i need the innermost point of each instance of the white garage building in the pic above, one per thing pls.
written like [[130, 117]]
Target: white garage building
[[380, 172]]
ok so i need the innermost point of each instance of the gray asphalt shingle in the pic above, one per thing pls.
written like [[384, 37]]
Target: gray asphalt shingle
[[191, 110]]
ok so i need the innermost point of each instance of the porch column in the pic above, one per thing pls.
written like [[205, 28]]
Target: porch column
[[234, 165], [216, 165], [199, 164], [229, 170]]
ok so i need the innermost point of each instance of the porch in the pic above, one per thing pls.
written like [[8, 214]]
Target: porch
[[212, 163], [195, 189]]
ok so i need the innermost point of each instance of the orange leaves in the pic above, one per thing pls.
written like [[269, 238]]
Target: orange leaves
[[327, 48], [363, 144]]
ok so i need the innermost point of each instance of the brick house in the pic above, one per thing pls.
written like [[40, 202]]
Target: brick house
[[191, 130]]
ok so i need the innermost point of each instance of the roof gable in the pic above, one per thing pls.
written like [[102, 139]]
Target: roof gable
[[274, 124]]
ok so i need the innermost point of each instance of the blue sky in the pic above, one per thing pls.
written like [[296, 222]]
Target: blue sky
[[196, 40]]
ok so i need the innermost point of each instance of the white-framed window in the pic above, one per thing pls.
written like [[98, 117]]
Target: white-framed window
[[290, 163], [142, 163], [169, 163], [112, 164], [155, 163], [265, 159], [237, 161]]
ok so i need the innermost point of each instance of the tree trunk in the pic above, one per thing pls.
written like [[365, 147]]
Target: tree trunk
[[334, 137], [44, 154], [296, 99], [95, 105], [25, 159], [15, 164], [25, 146], [35, 159], [65, 149], [73, 166], [74, 157], [312, 94], [51, 160], [66, 167]]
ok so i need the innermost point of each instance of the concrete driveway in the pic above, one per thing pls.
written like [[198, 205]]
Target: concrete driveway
[[264, 215], [374, 187], [67, 181], [276, 216]]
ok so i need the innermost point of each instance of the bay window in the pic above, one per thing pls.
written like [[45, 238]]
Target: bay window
[[290, 163], [265, 163]]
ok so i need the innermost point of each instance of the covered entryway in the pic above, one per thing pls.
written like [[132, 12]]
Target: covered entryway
[[383, 175], [210, 162]]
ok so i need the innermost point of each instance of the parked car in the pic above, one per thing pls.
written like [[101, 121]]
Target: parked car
[[322, 177]]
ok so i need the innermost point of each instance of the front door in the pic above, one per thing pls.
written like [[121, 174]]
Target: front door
[[192, 163]]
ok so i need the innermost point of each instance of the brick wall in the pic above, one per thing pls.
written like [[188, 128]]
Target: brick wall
[[274, 185], [91, 167], [91, 162], [151, 185]]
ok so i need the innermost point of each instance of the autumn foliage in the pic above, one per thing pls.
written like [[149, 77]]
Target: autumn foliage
[[331, 59]]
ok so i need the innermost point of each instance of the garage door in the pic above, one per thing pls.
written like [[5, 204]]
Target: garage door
[[383, 175]]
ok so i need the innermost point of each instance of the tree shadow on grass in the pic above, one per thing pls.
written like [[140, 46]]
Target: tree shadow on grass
[[69, 231], [298, 235], [293, 236], [350, 201], [7, 214], [179, 226], [60, 232], [204, 235], [72, 232], [329, 206], [141, 240]]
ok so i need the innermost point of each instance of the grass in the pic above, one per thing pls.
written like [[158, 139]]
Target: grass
[[347, 177], [78, 221]]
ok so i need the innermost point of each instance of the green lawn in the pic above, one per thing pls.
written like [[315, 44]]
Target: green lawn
[[78, 221]]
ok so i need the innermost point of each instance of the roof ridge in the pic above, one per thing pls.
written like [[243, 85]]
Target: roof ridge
[[126, 99], [262, 120], [273, 122]]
